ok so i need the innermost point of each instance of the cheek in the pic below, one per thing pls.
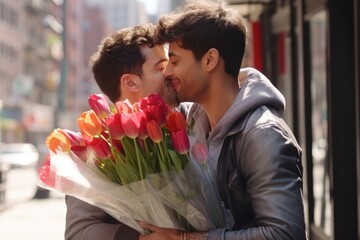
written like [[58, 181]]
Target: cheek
[[185, 73], [154, 85]]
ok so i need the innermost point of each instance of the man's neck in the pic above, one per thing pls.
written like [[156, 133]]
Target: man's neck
[[220, 97]]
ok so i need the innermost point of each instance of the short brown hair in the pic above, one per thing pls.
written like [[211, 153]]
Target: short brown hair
[[119, 54], [203, 25]]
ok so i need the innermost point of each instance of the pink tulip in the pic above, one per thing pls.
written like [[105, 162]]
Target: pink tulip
[[154, 131], [114, 125], [45, 173], [99, 104], [75, 138], [124, 107], [180, 141], [200, 153], [134, 124]]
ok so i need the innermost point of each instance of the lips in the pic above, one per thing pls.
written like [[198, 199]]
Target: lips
[[171, 84], [175, 83]]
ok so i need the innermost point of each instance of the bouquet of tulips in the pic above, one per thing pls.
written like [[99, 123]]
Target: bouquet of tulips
[[135, 162]]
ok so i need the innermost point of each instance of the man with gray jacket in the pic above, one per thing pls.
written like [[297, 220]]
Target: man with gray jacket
[[253, 154]]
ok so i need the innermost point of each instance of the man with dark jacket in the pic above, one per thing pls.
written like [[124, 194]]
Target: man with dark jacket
[[252, 152]]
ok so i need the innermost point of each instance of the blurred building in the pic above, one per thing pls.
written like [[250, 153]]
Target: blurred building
[[11, 63], [122, 13], [30, 53], [86, 23], [70, 99], [95, 28]]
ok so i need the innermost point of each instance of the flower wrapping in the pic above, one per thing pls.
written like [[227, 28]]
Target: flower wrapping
[[136, 162]]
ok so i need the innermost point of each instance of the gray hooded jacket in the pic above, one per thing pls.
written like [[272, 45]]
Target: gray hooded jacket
[[257, 163]]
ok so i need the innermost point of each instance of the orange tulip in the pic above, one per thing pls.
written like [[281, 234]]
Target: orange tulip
[[89, 123], [57, 140]]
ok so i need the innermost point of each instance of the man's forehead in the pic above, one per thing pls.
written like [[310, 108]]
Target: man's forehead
[[155, 55], [175, 50]]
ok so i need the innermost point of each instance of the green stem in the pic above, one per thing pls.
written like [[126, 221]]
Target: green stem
[[138, 159]]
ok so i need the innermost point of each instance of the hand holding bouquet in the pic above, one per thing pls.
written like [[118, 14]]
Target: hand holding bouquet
[[133, 161]]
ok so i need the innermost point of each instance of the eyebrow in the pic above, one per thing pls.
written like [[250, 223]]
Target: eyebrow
[[161, 61], [172, 54]]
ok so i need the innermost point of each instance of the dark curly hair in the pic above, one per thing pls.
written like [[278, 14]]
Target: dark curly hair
[[119, 54], [202, 25]]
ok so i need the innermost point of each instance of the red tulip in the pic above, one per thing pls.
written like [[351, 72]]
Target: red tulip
[[99, 104], [101, 148], [176, 121], [89, 123], [155, 108], [152, 100], [154, 131], [118, 146], [114, 125], [157, 113], [180, 141], [81, 152]]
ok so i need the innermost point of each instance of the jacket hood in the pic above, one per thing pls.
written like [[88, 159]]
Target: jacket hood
[[255, 91]]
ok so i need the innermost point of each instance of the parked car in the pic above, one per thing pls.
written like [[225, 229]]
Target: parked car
[[18, 155], [20, 179]]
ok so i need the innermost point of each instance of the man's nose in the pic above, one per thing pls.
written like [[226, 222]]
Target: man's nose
[[167, 72]]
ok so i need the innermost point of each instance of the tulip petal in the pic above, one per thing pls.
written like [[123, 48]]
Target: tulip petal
[[89, 123], [99, 104]]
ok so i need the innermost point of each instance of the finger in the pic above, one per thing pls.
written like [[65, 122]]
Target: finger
[[143, 237], [147, 226]]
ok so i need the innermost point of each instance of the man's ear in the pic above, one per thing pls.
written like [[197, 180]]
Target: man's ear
[[211, 59], [130, 82]]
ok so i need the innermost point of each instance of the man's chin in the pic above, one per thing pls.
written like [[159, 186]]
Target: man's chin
[[169, 94], [171, 100]]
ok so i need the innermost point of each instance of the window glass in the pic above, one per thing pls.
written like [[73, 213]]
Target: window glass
[[322, 208]]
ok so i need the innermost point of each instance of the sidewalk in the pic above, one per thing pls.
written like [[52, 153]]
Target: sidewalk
[[37, 219]]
